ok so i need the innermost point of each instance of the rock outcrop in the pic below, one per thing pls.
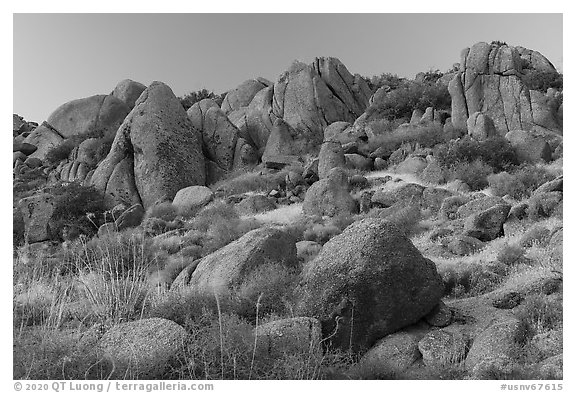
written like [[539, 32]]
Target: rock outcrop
[[310, 97], [156, 152], [490, 81]]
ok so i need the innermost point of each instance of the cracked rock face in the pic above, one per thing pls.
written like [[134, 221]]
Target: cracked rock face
[[307, 97], [489, 81], [156, 152], [310, 97], [219, 135]]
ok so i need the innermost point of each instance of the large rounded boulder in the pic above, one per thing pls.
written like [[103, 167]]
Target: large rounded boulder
[[224, 271], [330, 196], [96, 113], [368, 282], [128, 92]]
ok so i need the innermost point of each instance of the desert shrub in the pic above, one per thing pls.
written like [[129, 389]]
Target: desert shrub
[[408, 96], [521, 182], [222, 346], [239, 182], [18, 228], [320, 231], [27, 182], [115, 254], [112, 273], [186, 305], [387, 80], [541, 313], [474, 173], [114, 299], [217, 225], [63, 150], [542, 80], [511, 255], [42, 353], [496, 152], [424, 136], [268, 290], [78, 210], [532, 177], [504, 183], [470, 279], [195, 96], [165, 211]]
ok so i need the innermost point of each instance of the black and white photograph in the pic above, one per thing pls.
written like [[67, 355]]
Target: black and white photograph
[[200, 197]]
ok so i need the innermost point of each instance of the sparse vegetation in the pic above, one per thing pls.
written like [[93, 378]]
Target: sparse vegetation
[[195, 96], [244, 181]]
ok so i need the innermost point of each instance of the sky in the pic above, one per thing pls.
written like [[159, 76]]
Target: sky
[[61, 57]]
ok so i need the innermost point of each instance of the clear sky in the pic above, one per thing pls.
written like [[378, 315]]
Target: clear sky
[[60, 57]]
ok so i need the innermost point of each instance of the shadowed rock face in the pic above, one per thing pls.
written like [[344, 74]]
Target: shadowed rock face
[[368, 282], [490, 82], [156, 152]]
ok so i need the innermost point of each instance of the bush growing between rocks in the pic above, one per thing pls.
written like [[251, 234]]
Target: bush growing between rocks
[[269, 290], [495, 152], [511, 255], [425, 136], [388, 80], [241, 181], [410, 95], [195, 96], [45, 353], [470, 279], [165, 211], [217, 225], [473, 173], [78, 210], [321, 231], [542, 80], [541, 313], [520, 183], [63, 150]]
